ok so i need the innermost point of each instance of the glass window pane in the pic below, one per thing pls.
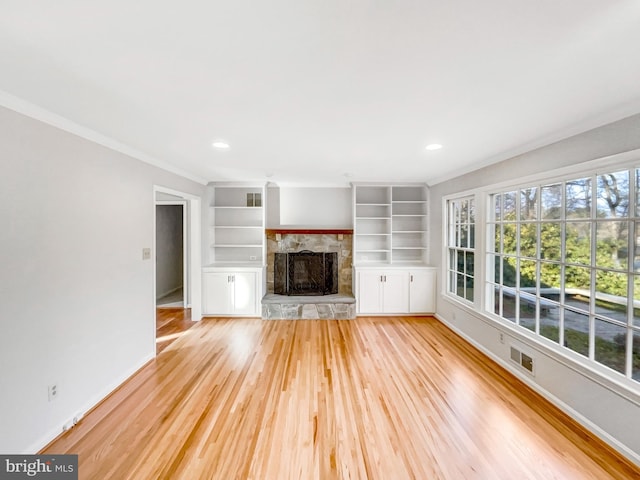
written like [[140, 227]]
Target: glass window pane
[[527, 311], [453, 288], [576, 331], [464, 236], [509, 206], [638, 192], [529, 203], [497, 206], [636, 300], [464, 211], [497, 270], [460, 285], [551, 201], [635, 366], [636, 255], [612, 238], [509, 238], [472, 211], [496, 298], [610, 345], [578, 198], [497, 235], [468, 257], [550, 241], [460, 263], [472, 236], [613, 195], [468, 288], [577, 287], [578, 242], [529, 240], [611, 295], [527, 275], [509, 304], [509, 271], [550, 281], [549, 320]]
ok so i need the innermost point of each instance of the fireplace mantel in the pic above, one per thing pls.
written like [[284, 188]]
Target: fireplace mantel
[[310, 231]]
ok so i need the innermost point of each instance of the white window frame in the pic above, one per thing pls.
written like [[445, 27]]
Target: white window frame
[[451, 231]]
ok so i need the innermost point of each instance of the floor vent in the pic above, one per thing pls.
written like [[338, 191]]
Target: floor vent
[[522, 359]]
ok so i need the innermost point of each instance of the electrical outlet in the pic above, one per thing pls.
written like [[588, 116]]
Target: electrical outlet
[[53, 392], [146, 253], [501, 337], [252, 257]]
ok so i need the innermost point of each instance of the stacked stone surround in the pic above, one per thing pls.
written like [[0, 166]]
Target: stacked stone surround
[[339, 306], [316, 242]]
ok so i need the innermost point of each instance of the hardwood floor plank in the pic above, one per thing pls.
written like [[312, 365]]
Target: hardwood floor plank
[[374, 398]]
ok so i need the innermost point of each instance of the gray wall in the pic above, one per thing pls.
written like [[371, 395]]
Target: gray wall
[[612, 410], [76, 297], [309, 207], [169, 249]]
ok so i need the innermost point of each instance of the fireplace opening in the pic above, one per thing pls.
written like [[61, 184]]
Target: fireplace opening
[[306, 273]]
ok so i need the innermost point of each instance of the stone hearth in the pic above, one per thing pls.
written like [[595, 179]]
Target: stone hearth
[[323, 307]]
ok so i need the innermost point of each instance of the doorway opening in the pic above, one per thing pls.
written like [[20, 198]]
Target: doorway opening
[[171, 272]]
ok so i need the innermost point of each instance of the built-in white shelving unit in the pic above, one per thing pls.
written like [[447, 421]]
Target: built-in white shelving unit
[[390, 224], [233, 281], [237, 222]]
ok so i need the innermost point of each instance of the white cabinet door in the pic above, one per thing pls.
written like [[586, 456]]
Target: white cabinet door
[[243, 293], [395, 288], [229, 293], [369, 291], [422, 291], [216, 293]]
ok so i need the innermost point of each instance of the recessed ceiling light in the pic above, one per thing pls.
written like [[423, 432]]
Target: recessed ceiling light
[[220, 144], [433, 146]]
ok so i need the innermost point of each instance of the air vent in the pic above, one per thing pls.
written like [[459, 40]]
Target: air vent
[[522, 359]]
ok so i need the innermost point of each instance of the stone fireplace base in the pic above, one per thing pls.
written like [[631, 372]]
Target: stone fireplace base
[[323, 307]]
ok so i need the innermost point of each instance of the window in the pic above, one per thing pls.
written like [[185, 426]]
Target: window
[[461, 247], [563, 260]]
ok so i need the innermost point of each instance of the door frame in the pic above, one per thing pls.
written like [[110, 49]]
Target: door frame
[[192, 250]]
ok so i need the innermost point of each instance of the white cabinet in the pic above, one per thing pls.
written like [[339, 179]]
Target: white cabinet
[[383, 291], [231, 291], [395, 290], [422, 290]]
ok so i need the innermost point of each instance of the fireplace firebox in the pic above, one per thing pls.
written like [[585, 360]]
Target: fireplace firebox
[[306, 273]]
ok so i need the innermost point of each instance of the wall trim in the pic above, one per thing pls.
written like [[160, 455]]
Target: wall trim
[[46, 116], [574, 414], [54, 433]]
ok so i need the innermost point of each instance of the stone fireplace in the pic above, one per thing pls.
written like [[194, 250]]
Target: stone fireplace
[[309, 275], [339, 242]]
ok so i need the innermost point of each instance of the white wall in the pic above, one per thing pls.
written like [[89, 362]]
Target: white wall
[[76, 298], [169, 249], [611, 410], [308, 207]]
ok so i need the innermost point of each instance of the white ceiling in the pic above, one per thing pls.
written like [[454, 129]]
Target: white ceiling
[[325, 91]]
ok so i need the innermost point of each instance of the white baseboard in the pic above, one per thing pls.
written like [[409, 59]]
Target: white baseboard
[[52, 434], [575, 415]]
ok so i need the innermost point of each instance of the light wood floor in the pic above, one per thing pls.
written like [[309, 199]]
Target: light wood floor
[[171, 323], [379, 398]]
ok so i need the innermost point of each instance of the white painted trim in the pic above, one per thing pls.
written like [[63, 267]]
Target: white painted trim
[[528, 380], [195, 249], [54, 433], [30, 110]]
